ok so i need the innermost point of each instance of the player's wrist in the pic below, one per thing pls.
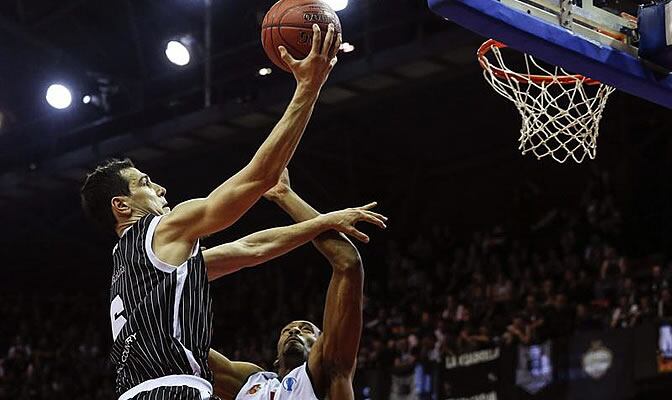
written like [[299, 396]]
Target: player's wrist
[[326, 221], [307, 88], [280, 196]]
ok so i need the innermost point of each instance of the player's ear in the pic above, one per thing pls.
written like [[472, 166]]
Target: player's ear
[[120, 206]]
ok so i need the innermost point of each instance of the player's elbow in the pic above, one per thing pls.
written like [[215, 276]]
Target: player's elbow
[[253, 253], [264, 176], [268, 180], [257, 253], [349, 262]]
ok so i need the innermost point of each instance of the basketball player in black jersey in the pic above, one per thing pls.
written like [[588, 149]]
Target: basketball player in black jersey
[[310, 364], [160, 302]]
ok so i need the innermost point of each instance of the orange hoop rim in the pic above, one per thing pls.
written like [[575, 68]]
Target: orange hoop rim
[[526, 78]]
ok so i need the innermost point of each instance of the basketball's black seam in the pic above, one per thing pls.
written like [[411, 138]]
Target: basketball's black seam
[[280, 19], [288, 26], [276, 54], [288, 44]]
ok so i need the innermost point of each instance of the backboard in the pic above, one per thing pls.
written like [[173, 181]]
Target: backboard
[[581, 38]]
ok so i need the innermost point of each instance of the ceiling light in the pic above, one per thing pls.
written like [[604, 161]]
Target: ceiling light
[[177, 53], [338, 5], [59, 96]]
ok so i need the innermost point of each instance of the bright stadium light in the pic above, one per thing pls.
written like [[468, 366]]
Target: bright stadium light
[[59, 96], [265, 71], [177, 53], [347, 47], [86, 99], [338, 5]]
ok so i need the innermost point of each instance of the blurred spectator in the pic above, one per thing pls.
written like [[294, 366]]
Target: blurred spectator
[[665, 304], [585, 319], [518, 332]]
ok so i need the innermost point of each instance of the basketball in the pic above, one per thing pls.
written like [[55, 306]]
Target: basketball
[[290, 23]]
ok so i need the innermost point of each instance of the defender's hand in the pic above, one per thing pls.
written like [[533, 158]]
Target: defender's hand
[[313, 70], [344, 221], [280, 189]]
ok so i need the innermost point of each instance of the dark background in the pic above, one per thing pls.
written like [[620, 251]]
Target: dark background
[[406, 119]]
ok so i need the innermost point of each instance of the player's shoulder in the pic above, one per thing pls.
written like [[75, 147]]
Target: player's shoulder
[[257, 384], [135, 232], [262, 376], [141, 225], [299, 384]]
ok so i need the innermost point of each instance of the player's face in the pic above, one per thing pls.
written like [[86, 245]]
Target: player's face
[[297, 338], [146, 196]]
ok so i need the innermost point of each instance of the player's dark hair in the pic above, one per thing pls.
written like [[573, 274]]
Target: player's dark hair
[[100, 186]]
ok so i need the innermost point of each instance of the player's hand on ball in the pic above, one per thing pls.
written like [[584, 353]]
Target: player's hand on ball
[[314, 69], [344, 221], [280, 189]]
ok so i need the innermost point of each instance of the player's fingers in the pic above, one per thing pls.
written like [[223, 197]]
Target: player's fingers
[[358, 235], [333, 62], [328, 41], [337, 46], [369, 206], [374, 220], [286, 57], [317, 39], [379, 216]]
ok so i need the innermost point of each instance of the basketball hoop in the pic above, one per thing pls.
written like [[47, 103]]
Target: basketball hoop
[[561, 111]]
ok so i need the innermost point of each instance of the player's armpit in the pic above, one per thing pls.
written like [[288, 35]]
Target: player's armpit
[[229, 375]]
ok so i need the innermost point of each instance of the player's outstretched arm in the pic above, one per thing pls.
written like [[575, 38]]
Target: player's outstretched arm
[[229, 376], [332, 360], [263, 246], [200, 217]]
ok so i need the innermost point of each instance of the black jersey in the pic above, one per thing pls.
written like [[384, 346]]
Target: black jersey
[[161, 314]]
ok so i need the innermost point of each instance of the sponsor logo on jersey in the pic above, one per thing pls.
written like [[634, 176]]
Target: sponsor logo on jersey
[[254, 389], [117, 274], [289, 383]]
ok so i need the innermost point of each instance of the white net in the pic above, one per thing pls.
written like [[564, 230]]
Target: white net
[[561, 112]]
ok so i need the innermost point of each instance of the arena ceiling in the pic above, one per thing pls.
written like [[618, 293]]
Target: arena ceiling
[[115, 48]]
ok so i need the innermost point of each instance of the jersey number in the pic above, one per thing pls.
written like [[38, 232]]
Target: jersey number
[[118, 320]]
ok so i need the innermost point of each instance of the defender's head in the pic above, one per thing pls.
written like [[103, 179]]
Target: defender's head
[[296, 340], [116, 193]]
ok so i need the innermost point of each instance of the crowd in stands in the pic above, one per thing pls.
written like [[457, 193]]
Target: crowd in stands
[[52, 347], [440, 293]]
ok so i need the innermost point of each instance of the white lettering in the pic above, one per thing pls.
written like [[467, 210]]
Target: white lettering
[[118, 320], [480, 396], [468, 359]]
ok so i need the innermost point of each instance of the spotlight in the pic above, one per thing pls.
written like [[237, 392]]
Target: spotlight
[[265, 71], [59, 96], [86, 99], [338, 5], [347, 47], [177, 53]]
